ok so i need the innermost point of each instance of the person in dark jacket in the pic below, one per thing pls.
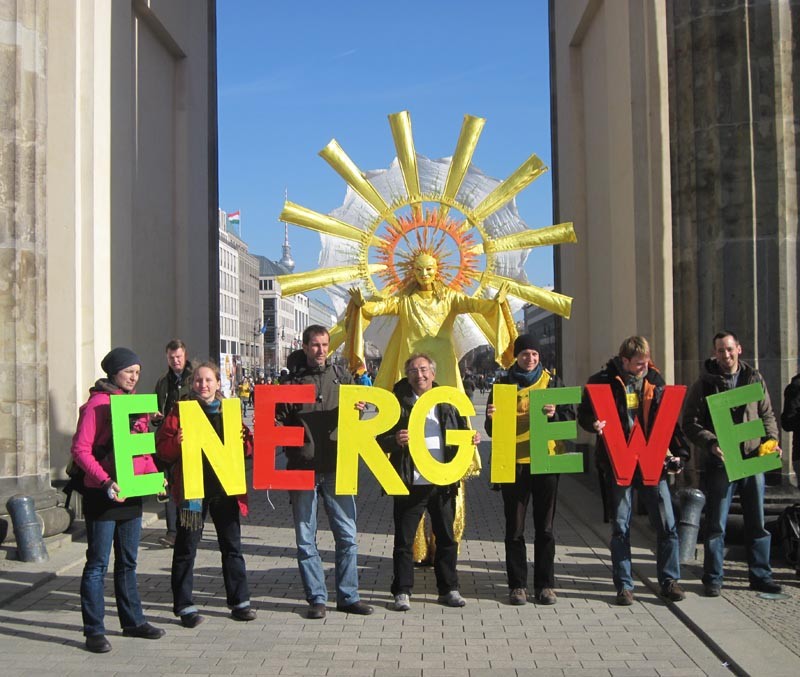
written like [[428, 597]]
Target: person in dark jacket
[[439, 501], [225, 510], [320, 421], [790, 419], [527, 373], [638, 389], [171, 387], [726, 371], [110, 518]]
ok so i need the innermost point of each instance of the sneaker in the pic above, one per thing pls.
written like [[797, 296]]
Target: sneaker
[[452, 598], [245, 613], [143, 631], [167, 540], [624, 597], [546, 596], [191, 620], [402, 602], [672, 592], [358, 608], [711, 590], [518, 596], [316, 611], [766, 585], [97, 644]]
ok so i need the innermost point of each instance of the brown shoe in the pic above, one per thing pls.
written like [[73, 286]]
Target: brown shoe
[[518, 596], [546, 596], [316, 611], [624, 597], [672, 592], [358, 608]]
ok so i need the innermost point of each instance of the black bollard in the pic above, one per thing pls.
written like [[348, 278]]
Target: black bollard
[[691, 507], [28, 532]]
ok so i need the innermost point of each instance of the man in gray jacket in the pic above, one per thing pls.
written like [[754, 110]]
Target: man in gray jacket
[[725, 371], [320, 420]]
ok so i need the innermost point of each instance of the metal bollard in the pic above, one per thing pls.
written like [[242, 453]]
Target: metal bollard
[[28, 532], [691, 507]]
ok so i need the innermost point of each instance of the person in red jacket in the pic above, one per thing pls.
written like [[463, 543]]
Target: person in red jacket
[[225, 510], [110, 518]]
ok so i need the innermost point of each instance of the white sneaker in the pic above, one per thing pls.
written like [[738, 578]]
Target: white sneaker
[[402, 602], [452, 598]]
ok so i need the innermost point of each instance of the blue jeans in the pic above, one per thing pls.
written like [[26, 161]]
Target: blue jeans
[[125, 537], [719, 494], [341, 511], [659, 510]]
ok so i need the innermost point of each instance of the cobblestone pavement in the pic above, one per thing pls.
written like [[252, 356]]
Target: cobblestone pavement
[[584, 634]]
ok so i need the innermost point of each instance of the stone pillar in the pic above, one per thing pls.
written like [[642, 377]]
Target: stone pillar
[[734, 168], [24, 452]]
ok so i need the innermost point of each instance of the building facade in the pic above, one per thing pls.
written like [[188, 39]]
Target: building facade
[[108, 227], [240, 346], [676, 156]]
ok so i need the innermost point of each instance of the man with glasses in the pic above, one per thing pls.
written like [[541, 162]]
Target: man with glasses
[[439, 501]]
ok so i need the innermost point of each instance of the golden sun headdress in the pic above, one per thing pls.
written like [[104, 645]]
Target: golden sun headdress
[[447, 208]]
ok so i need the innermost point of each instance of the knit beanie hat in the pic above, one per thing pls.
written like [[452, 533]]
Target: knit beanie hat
[[119, 359], [525, 342]]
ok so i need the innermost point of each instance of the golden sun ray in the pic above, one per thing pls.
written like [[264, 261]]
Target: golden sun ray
[[299, 283], [560, 233], [549, 300], [400, 124], [335, 156], [322, 223], [519, 180], [462, 157]]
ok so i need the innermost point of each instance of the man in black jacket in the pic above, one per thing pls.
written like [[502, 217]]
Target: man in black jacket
[[170, 388], [320, 420], [790, 419], [439, 501], [527, 373], [638, 389]]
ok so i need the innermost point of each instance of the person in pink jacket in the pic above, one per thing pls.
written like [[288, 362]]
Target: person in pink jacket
[[111, 519]]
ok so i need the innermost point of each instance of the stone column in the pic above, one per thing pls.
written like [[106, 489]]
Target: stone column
[[734, 183], [24, 452]]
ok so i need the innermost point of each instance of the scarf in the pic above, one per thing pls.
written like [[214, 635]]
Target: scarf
[[525, 379], [191, 510]]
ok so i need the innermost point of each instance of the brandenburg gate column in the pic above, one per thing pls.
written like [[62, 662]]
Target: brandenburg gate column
[[24, 444]]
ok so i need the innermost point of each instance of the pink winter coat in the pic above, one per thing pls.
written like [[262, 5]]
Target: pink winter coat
[[93, 435]]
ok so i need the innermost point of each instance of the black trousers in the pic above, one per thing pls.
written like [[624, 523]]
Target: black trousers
[[225, 515], [440, 504], [542, 490]]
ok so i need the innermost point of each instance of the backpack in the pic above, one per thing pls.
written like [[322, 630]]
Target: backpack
[[76, 473], [789, 533]]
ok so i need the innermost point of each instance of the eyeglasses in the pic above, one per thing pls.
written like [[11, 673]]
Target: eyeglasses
[[421, 370]]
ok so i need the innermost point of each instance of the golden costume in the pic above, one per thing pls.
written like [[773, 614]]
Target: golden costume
[[425, 325]]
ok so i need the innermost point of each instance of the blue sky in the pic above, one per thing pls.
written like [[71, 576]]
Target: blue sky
[[292, 76]]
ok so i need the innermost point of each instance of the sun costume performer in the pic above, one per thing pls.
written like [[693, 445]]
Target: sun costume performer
[[426, 256]]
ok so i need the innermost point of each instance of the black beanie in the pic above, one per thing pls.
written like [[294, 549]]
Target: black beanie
[[119, 359], [525, 342]]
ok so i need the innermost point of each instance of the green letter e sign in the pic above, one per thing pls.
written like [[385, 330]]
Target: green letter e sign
[[730, 435]]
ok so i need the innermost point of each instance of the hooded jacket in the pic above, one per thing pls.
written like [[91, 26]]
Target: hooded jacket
[[92, 443], [696, 418], [653, 385], [400, 456]]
